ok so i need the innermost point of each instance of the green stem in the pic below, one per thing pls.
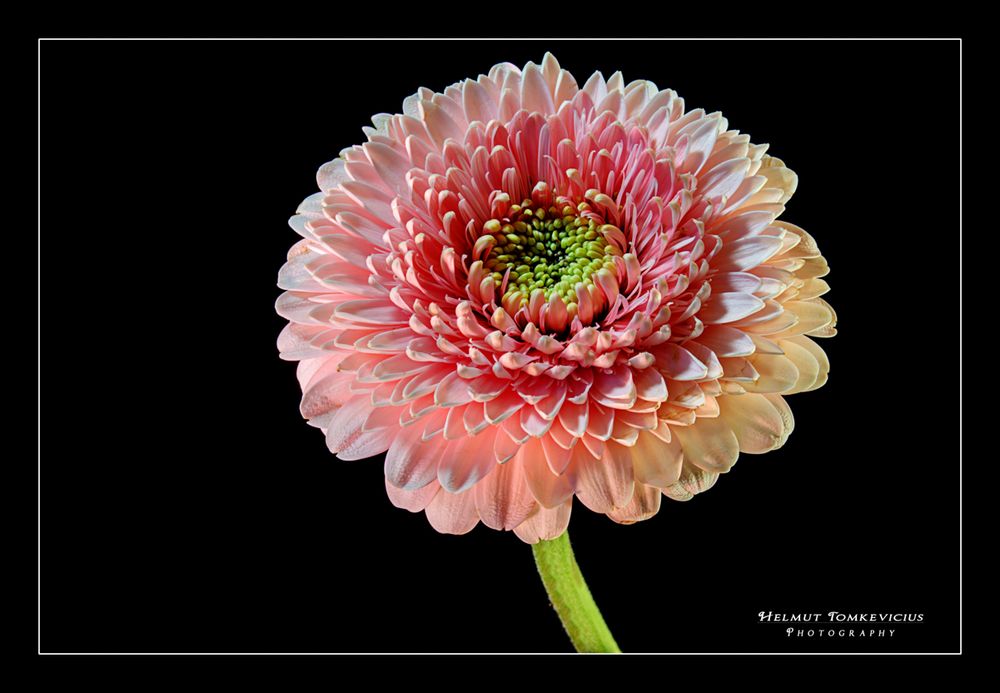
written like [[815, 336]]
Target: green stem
[[569, 595]]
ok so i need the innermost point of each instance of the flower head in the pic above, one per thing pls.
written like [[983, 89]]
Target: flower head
[[523, 291]]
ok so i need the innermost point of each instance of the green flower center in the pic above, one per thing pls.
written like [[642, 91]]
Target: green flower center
[[548, 248]]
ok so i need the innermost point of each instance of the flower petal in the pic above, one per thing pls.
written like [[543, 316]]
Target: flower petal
[[414, 501], [746, 253], [548, 489], [755, 422], [545, 523], [729, 307], [655, 462], [503, 499], [605, 484], [453, 513], [411, 463], [709, 444], [645, 503], [466, 461]]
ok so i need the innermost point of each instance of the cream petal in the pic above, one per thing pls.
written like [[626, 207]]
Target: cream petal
[[778, 176], [645, 503], [812, 268], [709, 444], [655, 462], [812, 316], [805, 246], [758, 426], [777, 373], [788, 421], [807, 366], [817, 353], [693, 481], [812, 288]]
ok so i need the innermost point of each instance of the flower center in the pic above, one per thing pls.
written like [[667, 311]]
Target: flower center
[[553, 248]]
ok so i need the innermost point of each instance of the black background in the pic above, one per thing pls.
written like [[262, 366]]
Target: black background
[[186, 506]]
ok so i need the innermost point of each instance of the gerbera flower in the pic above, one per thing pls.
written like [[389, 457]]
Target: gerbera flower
[[522, 291]]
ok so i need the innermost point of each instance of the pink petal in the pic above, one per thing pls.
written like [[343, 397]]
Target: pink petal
[[746, 253], [414, 501], [726, 341], [729, 307], [574, 417], [606, 484], [347, 424], [411, 463], [677, 363], [503, 499], [452, 391], [556, 456], [650, 385], [547, 488], [453, 513], [371, 311], [466, 461], [535, 95], [367, 444]]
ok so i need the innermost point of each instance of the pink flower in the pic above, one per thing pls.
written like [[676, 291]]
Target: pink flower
[[523, 291]]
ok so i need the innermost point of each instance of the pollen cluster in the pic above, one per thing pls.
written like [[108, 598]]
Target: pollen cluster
[[556, 249]]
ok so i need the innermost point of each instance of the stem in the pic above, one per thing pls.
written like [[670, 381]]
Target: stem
[[569, 595]]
